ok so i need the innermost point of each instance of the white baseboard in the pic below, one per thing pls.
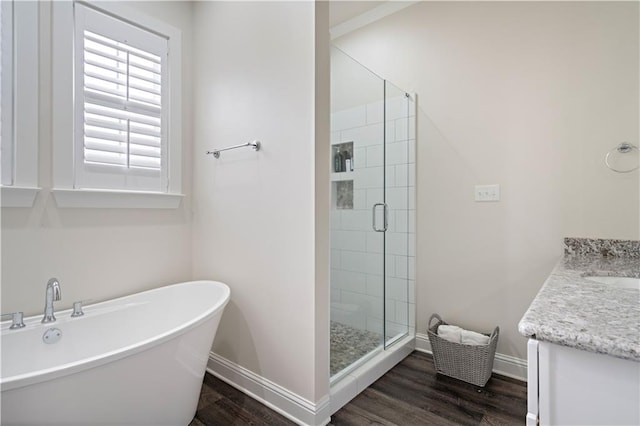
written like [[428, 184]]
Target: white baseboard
[[505, 365], [290, 405], [293, 406]]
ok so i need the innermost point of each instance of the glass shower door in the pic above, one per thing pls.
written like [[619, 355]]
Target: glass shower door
[[397, 195], [371, 214], [357, 184]]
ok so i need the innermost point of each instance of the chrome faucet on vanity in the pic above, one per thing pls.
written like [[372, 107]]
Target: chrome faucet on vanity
[[52, 294]]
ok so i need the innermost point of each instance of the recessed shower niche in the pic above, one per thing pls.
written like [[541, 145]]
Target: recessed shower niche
[[342, 167], [342, 156], [342, 194]]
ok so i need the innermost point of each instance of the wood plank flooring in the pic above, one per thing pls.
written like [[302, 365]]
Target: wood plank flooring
[[413, 394], [224, 405], [409, 394]]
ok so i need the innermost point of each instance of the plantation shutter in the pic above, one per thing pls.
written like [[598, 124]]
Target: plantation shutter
[[120, 122], [6, 92]]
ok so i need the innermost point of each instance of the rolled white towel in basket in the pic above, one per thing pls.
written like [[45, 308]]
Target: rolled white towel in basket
[[472, 338], [455, 334], [452, 333]]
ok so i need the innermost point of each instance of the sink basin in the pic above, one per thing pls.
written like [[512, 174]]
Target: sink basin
[[622, 282]]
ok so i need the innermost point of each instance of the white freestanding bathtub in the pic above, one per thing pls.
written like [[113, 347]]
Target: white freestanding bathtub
[[136, 360]]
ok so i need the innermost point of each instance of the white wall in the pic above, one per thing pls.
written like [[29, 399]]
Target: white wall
[[96, 253], [528, 95], [255, 212]]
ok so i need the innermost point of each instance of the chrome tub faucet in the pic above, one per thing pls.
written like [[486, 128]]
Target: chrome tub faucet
[[52, 294]]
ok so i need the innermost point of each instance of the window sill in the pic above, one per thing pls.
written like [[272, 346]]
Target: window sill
[[104, 199], [16, 196]]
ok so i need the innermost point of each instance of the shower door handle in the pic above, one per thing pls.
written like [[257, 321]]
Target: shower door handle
[[385, 215]]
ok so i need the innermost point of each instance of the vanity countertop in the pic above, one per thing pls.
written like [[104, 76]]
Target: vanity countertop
[[573, 311]]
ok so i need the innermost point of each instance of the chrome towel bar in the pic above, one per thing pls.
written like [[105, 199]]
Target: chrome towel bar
[[254, 144]]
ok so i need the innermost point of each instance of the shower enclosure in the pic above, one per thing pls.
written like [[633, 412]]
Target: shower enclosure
[[372, 216]]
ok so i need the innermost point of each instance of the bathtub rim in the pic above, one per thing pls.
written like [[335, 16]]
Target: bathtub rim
[[26, 379]]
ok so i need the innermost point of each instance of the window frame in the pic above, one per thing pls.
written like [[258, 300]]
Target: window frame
[[23, 188], [6, 72], [65, 191]]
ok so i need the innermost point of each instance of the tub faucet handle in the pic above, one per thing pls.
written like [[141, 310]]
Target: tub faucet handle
[[77, 308], [16, 320]]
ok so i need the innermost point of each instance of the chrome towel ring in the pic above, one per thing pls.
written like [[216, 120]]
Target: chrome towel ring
[[623, 148]]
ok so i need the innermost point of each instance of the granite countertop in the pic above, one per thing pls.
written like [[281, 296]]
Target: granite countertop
[[573, 311]]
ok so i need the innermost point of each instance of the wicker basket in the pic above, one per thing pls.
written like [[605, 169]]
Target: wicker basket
[[470, 363]]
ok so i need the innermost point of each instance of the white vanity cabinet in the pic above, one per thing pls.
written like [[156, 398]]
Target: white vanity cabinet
[[568, 386]]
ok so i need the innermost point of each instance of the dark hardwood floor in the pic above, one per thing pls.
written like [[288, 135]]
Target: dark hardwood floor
[[413, 394], [224, 405], [409, 394]]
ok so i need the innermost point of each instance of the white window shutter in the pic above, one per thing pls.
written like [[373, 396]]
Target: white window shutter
[[6, 92], [121, 108]]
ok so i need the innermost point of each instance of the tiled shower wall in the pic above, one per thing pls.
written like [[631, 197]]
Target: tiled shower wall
[[356, 251]]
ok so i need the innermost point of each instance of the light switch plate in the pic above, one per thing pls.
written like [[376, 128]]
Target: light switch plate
[[487, 192]]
